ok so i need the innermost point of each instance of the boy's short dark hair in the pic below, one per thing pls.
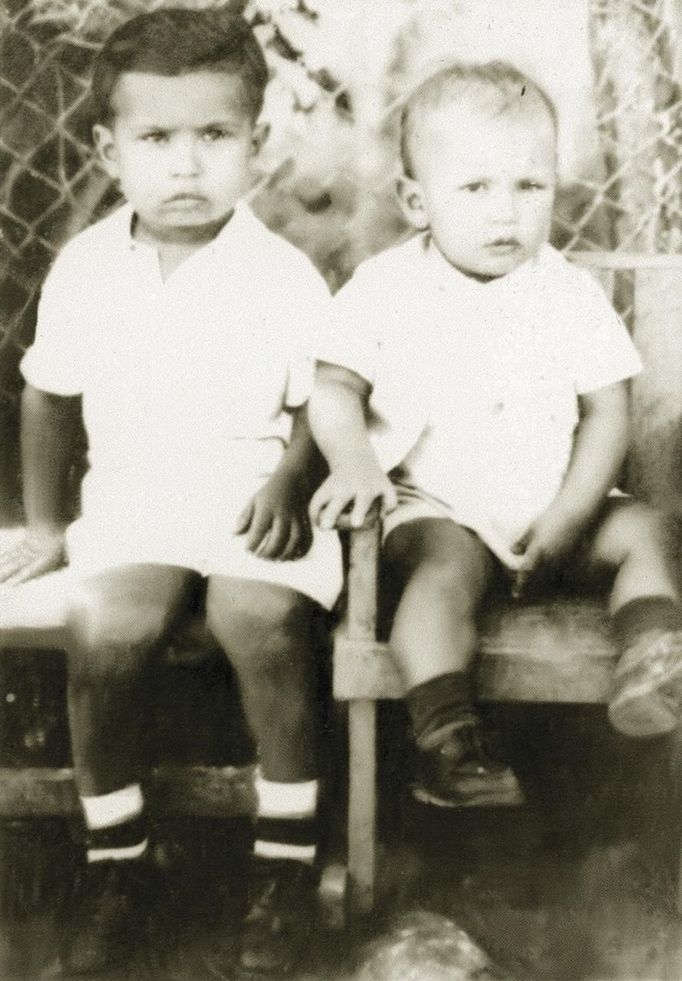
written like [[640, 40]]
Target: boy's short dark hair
[[176, 41], [495, 86]]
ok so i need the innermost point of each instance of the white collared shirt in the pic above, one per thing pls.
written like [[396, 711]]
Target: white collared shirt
[[475, 385], [181, 376]]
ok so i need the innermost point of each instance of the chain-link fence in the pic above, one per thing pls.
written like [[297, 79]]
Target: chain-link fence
[[327, 180]]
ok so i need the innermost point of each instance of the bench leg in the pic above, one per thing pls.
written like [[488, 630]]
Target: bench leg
[[362, 805], [676, 774]]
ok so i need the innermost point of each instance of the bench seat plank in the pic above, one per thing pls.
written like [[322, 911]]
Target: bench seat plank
[[555, 651]]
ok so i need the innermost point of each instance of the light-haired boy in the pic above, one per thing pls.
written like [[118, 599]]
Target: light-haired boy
[[487, 376], [180, 327]]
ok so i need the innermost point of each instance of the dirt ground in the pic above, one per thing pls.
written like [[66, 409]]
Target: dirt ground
[[578, 884]]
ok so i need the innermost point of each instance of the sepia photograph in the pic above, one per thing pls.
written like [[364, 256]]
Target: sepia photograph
[[341, 490]]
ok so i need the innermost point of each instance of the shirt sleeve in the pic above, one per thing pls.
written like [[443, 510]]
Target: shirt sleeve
[[54, 362], [351, 336], [605, 354], [308, 307]]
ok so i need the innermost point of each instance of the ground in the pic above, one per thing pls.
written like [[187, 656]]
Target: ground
[[578, 884]]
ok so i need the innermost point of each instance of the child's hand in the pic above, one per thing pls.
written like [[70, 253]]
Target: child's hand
[[35, 554], [544, 544], [275, 520], [357, 488]]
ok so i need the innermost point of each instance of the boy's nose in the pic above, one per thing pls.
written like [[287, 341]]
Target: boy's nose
[[503, 206], [185, 160]]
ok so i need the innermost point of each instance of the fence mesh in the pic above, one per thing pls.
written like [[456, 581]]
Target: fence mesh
[[317, 187]]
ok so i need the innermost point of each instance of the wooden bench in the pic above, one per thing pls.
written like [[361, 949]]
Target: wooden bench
[[558, 652]]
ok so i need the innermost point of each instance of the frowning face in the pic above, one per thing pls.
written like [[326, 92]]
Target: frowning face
[[181, 149]]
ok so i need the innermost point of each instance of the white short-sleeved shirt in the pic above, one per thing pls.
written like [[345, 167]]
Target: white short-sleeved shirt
[[184, 382], [475, 385]]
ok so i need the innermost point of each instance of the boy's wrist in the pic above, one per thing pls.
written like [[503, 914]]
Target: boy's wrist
[[354, 462], [46, 529]]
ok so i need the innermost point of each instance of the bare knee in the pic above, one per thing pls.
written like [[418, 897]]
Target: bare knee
[[442, 561], [258, 635], [637, 532], [110, 636]]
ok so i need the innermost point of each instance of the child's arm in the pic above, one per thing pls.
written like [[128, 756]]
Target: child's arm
[[50, 425], [275, 520], [599, 451], [337, 417]]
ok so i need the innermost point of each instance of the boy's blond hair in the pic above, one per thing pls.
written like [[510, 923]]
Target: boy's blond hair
[[494, 87]]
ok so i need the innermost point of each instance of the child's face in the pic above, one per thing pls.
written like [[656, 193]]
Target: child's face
[[181, 149], [483, 185]]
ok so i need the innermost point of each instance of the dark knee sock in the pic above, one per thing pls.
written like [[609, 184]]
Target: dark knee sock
[[286, 821], [116, 825], [438, 702], [644, 614]]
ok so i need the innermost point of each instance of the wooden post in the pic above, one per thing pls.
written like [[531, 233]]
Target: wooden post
[[360, 625], [655, 463]]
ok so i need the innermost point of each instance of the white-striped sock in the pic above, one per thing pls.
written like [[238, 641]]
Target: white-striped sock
[[117, 807]]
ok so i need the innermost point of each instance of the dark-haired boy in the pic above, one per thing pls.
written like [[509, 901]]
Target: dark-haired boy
[[179, 326]]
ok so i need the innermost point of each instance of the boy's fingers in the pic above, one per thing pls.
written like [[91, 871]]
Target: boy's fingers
[[274, 541], [31, 570], [335, 506], [9, 564], [318, 502], [389, 500], [258, 528], [244, 520], [16, 564], [298, 542], [520, 546], [363, 503]]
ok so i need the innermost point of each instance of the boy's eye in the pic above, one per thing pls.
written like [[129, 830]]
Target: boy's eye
[[531, 185], [216, 133], [473, 186], [155, 136]]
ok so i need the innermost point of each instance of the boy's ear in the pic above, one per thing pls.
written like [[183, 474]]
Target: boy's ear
[[106, 149], [411, 202], [261, 131]]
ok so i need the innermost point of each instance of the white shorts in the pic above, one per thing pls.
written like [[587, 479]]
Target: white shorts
[[415, 504], [93, 548]]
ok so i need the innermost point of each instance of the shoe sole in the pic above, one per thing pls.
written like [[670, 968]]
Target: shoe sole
[[506, 793], [651, 708]]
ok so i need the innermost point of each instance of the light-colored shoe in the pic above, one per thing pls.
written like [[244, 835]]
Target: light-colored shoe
[[648, 686]]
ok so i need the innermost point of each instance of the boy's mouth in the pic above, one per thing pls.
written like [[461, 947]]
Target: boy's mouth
[[186, 200], [503, 246]]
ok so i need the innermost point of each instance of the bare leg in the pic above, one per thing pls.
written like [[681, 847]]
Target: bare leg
[[444, 572], [267, 632], [115, 621], [637, 542]]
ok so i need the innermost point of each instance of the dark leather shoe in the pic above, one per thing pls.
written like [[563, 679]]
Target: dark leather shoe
[[280, 918], [458, 766], [107, 916]]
